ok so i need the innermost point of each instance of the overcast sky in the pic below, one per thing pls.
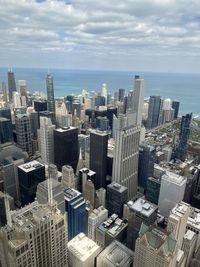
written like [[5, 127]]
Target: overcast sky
[[146, 35]]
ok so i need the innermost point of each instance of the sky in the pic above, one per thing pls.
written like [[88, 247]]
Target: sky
[[145, 35]]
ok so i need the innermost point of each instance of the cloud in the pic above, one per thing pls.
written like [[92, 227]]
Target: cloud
[[106, 29]]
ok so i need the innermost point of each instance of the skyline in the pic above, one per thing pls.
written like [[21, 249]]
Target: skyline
[[143, 35]]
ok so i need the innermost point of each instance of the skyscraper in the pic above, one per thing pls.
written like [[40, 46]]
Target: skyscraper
[[68, 179], [98, 156], [171, 192], [66, 150], [154, 112], [30, 175], [75, 212], [155, 248], [125, 163], [23, 132], [82, 251], [138, 99], [183, 137], [104, 92], [147, 155], [35, 236], [115, 255], [6, 134], [121, 94], [175, 106], [46, 140], [116, 197], [50, 95], [11, 84]]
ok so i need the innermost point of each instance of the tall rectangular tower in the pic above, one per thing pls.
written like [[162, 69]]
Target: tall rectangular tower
[[154, 112], [98, 156], [23, 131], [11, 84], [138, 99], [66, 147], [46, 140], [125, 163], [50, 95]]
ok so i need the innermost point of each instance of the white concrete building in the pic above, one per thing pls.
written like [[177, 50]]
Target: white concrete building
[[138, 99], [177, 221], [68, 179], [189, 243], [125, 162], [172, 191], [45, 136], [82, 251], [36, 236], [96, 217]]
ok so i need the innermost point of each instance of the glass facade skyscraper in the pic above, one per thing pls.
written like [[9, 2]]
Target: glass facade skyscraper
[[155, 112], [50, 94], [183, 136], [11, 84]]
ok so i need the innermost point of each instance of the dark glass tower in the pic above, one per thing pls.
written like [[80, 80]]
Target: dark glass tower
[[75, 208], [50, 95], [30, 175], [11, 84], [155, 112], [98, 156], [5, 130], [175, 106], [183, 136], [66, 147], [147, 156]]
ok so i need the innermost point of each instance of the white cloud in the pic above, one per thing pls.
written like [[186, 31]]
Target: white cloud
[[101, 29]]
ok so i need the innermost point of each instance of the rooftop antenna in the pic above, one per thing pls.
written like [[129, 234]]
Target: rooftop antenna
[[50, 193], [7, 208]]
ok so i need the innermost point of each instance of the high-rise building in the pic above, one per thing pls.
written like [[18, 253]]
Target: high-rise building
[[5, 92], [50, 95], [171, 192], [155, 248], [138, 212], [68, 179], [147, 157], [82, 251], [11, 84], [195, 192], [121, 94], [125, 163], [40, 105], [6, 134], [23, 132], [75, 212], [153, 189], [30, 175], [35, 236], [66, 147], [115, 255], [96, 217], [116, 197], [16, 100], [57, 193], [46, 139], [6, 113], [175, 106], [183, 137], [154, 112], [112, 229], [138, 99], [189, 243], [98, 156], [177, 221], [89, 193], [22, 88], [104, 92]]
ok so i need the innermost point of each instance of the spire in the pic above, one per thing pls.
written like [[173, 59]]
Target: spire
[[81, 162], [7, 208]]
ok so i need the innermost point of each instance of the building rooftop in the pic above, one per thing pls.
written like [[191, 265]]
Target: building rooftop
[[158, 239], [117, 187], [71, 193], [194, 219], [65, 129], [117, 254], [174, 178], [30, 166], [88, 171], [98, 132], [82, 247], [142, 206]]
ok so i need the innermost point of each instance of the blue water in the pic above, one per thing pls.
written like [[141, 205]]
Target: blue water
[[183, 87]]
